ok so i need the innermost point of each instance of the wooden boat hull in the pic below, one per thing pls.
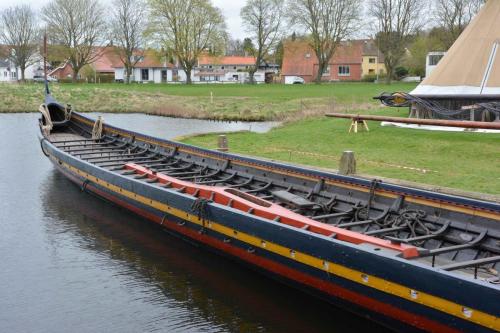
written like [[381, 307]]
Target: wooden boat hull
[[367, 279]]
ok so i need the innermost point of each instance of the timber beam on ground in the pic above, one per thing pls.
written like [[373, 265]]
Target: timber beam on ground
[[418, 121]]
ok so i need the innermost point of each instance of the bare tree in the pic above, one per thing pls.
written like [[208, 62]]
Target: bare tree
[[454, 16], [78, 26], [188, 28], [397, 20], [328, 22], [263, 19], [19, 30], [127, 28], [235, 47]]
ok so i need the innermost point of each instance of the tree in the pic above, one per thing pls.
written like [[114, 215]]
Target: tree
[[188, 28], [454, 16], [397, 21], [248, 46], [263, 19], [127, 28], [235, 47], [417, 53], [78, 26], [279, 52], [19, 30], [328, 22]]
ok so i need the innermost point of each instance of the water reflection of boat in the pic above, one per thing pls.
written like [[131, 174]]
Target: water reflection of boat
[[408, 258], [199, 282]]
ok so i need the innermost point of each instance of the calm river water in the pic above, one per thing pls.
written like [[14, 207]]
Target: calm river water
[[72, 263]]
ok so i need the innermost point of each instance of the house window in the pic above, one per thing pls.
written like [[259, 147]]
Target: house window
[[344, 71], [371, 71], [372, 60], [434, 59], [5, 74], [145, 74], [234, 67], [210, 66], [326, 71], [221, 67]]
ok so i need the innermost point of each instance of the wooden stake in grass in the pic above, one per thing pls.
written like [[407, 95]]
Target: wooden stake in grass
[[347, 165], [211, 98], [222, 143]]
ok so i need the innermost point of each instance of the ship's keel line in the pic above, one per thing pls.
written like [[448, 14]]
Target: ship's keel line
[[261, 253]]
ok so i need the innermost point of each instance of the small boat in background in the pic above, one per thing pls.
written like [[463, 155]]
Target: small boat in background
[[410, 259]]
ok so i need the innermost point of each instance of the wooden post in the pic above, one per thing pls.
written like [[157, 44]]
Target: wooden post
[[222, 143], [45, 56], [347, 165], [211, 98]]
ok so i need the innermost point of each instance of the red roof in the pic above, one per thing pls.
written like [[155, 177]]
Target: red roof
[[226, 60], [107, 58], [300, 59]]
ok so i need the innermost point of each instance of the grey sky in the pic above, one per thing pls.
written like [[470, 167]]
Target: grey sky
[[230, 8]]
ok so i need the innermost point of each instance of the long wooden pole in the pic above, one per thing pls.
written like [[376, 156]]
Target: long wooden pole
[[434, 122], [45, 56]]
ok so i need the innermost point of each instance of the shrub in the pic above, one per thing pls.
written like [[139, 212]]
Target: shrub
[[369, 78], [400, 72]]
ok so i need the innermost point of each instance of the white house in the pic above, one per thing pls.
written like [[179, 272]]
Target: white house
[[228, 69], [151, 69], [10, 73]]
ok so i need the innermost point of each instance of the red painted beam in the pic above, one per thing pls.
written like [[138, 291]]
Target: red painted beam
[[268, 210]]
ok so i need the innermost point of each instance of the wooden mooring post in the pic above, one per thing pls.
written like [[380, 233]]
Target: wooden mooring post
[[222, 143], [347, 165]]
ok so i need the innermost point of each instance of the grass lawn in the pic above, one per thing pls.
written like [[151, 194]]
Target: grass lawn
[[229, 101], [468, 161]]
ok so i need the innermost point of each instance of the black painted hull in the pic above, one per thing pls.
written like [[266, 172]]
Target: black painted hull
[[371, 282]]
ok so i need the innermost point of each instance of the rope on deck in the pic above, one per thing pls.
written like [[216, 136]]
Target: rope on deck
[[97, 129], [67, 112]]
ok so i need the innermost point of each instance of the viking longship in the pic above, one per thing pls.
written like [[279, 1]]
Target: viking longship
[[410, 259]]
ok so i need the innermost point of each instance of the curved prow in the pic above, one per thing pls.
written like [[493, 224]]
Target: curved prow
[[54, 114]]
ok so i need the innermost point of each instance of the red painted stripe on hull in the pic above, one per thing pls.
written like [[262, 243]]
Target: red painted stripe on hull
[[285, 271]]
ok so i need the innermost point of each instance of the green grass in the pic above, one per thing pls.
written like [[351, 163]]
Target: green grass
[[468, 161], [230, 101]]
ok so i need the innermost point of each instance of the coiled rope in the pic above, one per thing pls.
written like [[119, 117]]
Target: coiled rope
[[402, 99], [97, 129], [409, 218], [67, 112], [200, 207], [47, 127]]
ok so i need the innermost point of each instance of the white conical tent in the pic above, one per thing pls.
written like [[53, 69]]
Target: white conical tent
[[472, 65]]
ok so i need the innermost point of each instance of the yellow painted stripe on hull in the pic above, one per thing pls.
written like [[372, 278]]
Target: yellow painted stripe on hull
[[438, 303]]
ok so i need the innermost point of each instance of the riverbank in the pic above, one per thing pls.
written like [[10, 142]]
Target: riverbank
[[215, 101], [465, 161]]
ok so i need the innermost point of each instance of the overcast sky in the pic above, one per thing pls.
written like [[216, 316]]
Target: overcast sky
[[230, 8]]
